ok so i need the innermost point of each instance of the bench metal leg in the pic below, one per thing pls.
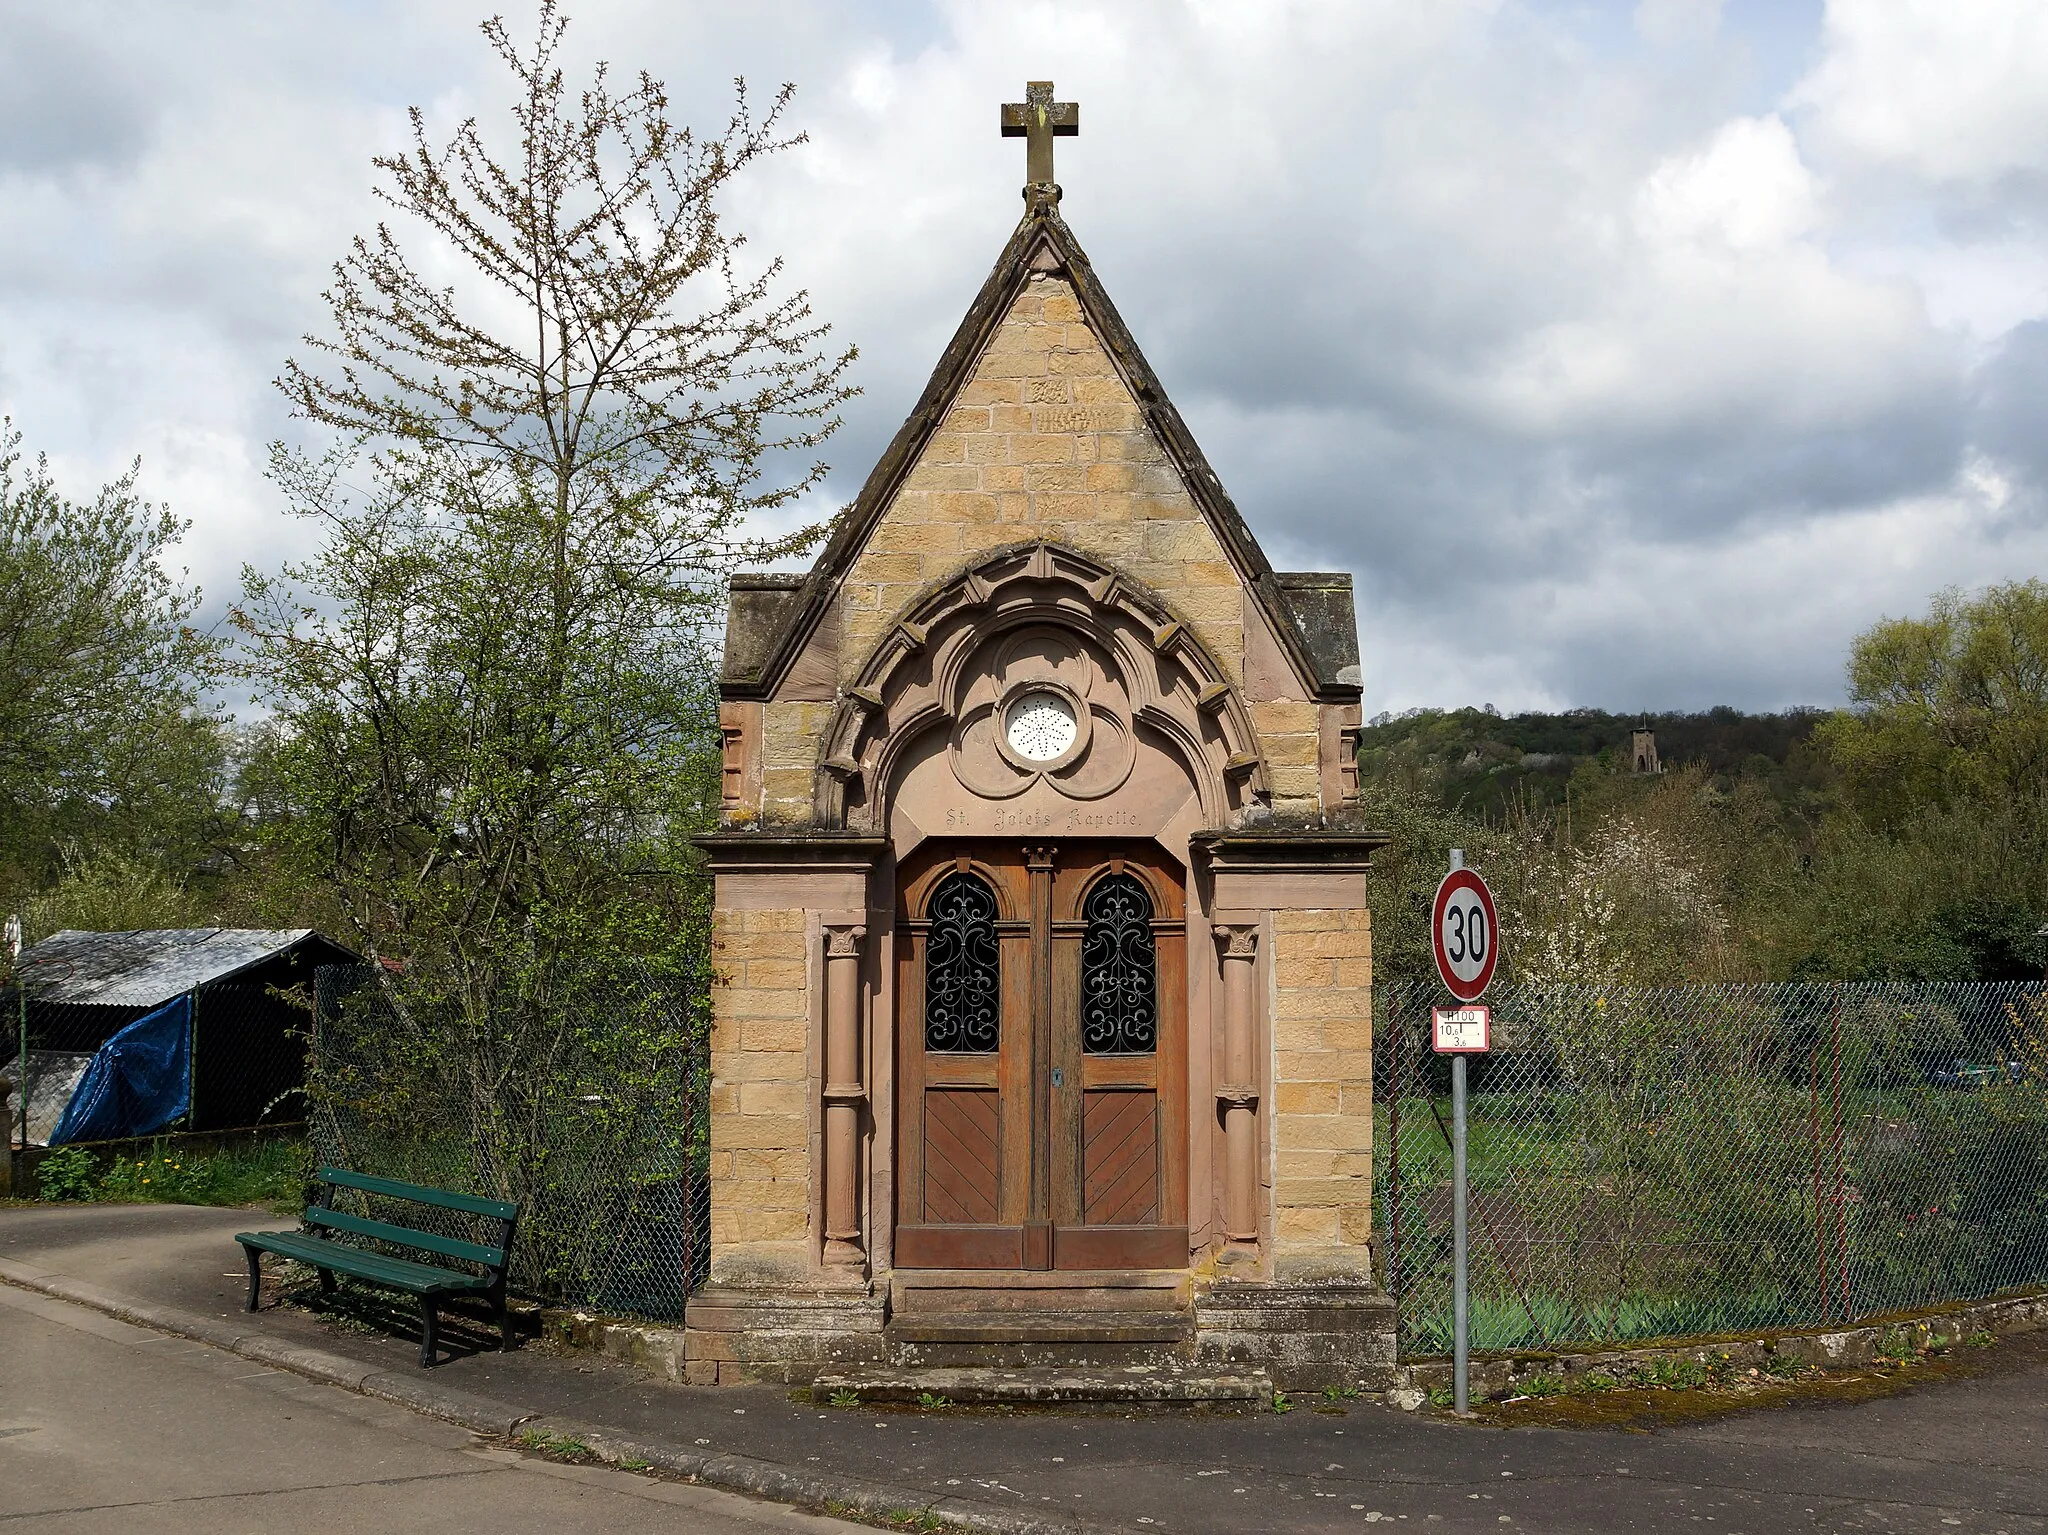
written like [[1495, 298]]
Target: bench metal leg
[[255, 1274], [430, 1330], [504, 1306], [327, 1281]]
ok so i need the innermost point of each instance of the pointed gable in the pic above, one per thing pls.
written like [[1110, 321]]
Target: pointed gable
[[1044, 422]]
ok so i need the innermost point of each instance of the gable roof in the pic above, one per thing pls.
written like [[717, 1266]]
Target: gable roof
[[773, 617], [143, 969]]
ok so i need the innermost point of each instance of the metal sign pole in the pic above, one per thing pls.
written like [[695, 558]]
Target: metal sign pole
[[1461, 1313]]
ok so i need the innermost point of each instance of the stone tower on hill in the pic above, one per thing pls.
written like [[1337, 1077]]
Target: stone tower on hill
[[1043, 1020]]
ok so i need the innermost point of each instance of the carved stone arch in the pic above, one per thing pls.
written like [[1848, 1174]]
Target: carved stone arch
[[916, 896], [1168, 896], [940, 666]]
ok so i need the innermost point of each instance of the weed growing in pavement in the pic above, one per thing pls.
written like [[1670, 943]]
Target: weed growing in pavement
[[844, 1398], [562, 1448], [1280, 1402], [1673, 1374], [928, 1401]]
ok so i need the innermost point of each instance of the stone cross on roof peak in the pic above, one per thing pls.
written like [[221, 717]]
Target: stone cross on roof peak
[[1038, 119]]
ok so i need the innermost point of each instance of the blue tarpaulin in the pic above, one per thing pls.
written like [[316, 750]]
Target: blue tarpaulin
[[138, 1082]]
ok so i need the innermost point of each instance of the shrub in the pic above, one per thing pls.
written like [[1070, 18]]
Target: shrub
[[66, 1174]]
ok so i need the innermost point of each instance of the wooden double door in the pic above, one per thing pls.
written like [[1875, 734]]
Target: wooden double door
[[1041, 1057]]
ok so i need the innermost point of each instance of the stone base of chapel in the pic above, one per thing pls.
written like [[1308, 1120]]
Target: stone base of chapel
[[735, 1333], [1310, 1336], [1304, 1335]]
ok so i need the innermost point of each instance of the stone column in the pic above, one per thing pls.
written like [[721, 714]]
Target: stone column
[[844, 1094], [1239, 1091]]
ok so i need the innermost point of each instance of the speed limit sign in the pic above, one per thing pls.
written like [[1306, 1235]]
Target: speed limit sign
[[1466, 933]]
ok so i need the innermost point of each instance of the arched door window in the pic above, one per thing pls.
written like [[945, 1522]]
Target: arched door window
[[1119, 970], [962, 968]]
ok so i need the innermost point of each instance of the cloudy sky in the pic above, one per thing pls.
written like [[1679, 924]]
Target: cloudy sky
[[1630, 354]]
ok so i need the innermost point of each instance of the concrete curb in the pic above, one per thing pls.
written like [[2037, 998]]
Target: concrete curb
[[486, 1415]]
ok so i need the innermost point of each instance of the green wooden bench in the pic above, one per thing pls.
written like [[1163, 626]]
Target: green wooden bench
[[316, 1243]]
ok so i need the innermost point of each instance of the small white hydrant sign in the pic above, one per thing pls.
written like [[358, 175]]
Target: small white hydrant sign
[[1461, 1030]]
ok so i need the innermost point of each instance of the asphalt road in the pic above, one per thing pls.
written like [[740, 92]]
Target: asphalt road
[[105, 1427]]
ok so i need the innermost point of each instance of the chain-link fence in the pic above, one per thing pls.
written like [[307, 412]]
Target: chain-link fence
[[592, 1114], [1705, 1159]]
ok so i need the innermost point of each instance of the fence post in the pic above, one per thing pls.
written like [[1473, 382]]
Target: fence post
[[1840, 1157], [192, 1061], [21, 1069], [1399, 1075], [1820, 1240]]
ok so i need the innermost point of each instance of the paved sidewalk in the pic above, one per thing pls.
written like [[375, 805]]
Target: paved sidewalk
[[1969, 1454]]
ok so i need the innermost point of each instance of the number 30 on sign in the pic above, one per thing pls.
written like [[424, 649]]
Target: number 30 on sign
[[1466, 934]]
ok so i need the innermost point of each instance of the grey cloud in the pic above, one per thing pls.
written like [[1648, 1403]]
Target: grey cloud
[[1341, 233], [66, 102], [2011, 400]]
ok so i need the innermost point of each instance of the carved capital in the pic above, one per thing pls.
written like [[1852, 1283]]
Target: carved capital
[[1239, 941], [844, 942]]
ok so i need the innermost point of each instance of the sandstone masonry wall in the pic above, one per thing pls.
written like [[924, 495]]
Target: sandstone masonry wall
[[1045, 441], [760, 1082], [1322, 1080]]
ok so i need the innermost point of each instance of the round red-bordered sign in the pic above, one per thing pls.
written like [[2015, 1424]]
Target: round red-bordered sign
[[1465, 933]]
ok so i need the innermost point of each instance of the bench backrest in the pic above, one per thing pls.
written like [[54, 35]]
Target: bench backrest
[[321, 1215]]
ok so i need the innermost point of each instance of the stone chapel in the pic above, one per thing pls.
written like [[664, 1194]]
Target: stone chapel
[[1043, 1028]]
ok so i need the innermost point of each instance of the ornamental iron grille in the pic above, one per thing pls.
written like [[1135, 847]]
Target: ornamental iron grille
[[1119, 983], [962, 970]]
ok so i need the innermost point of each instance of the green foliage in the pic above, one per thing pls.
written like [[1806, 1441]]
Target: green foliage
[[260, 1172], [845, 1398], [1951, 707], [1493, 767], [1405, 875], [102, 736], [67, 1173], [1903, 839], [110, 890]]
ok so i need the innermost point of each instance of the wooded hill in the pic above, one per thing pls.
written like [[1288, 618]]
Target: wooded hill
[[1485, 762]]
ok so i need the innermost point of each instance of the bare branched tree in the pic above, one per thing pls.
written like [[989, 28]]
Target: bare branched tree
[[495, 706], [646, 375]]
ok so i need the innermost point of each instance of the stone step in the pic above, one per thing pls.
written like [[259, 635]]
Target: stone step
[[1016, 1326], [919, 1291], [970, 1387]]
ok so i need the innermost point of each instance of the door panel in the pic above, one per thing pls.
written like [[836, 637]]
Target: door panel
[[963, 1155], [1058, 1138], [1120, 1158]]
